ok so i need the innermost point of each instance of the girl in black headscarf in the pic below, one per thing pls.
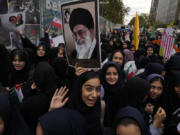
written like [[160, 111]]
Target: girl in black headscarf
[[61, 122], [20, 68], [133, 94], [152, 68], [41, 51], [130, 120], [38, 94], [118, 57], [85, 98], [112, 81], [11, 120], [152, 102], [173, 106], [156, 90]]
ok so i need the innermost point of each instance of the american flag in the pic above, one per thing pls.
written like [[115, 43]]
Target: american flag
[[167, 43]]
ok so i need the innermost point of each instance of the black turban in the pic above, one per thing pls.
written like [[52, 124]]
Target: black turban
[[81, 16]]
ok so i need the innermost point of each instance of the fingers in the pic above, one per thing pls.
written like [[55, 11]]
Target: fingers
[[65, 92], [65, 100], [61, 92], [55, 93]]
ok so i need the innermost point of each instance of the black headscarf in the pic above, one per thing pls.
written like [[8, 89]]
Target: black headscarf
[[34, 106], [21, 76], [60, 66], [14, 123], [62, 122], [131, 112], [46, 49], [110, 89], [152, 68], [172, 106], [4, 68], [150, 79], [45, 78], [133, 93], [91, 114], [172, 67]]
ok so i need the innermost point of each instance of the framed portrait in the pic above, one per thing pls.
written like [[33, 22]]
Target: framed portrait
[[81, 33]]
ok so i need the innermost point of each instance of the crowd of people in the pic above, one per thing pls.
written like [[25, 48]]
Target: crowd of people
[[136, 92]]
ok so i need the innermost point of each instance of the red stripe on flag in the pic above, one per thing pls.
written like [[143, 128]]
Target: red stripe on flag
[[167, 43]]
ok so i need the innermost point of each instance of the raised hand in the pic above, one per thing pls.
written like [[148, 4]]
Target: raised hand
[[79, 70], [58, 100], [159, 117]]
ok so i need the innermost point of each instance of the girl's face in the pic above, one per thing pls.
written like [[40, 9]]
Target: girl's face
[[128, 130], [40, 51], [18, 64], [156, 89], [91, 91], [133, 50], [125, 46], [2, 126], [110, 42], [61, 52], [150, 51], [118, 58], [177, 90], [111, 76]]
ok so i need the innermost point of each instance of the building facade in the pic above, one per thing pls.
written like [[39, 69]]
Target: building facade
[[167, 11]]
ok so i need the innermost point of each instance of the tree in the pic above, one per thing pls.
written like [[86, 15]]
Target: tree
[[143, 20], [113, 10]]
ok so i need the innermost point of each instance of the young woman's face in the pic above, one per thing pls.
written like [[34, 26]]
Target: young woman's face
[[91, 91], [118, 58], [2, 127], [128, 130], [111, 76], [133, 50], [177, 90], [150, 51], [125, 46], [156, 89], [40, 51], [18, 64], [61, 52], [111, 43]]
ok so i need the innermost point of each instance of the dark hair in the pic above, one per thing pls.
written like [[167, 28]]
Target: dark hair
[[149, 46], [43, 46], [115, 51], [89, 75], [81, 16], [21, 53], [127, 121], [67, 11], [61, 44], [11, 17], [157, 79], [112, 55]]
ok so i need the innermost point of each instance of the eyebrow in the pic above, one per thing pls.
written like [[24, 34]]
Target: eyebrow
[[91, 85]]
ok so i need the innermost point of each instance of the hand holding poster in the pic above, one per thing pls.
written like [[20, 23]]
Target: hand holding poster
[[81, 33]]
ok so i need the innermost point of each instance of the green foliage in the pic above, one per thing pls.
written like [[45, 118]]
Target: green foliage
[[113, 10], [143, 20]]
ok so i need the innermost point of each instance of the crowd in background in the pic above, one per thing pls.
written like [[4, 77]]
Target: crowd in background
[[136, 92]]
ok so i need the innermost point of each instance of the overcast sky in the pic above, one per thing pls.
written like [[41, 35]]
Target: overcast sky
[[141, 6]]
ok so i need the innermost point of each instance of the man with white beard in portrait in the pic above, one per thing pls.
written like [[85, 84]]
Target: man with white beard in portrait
[[82, 26]]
